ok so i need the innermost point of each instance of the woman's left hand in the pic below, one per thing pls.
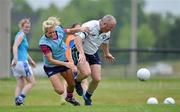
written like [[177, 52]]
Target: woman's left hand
[[33, 64]]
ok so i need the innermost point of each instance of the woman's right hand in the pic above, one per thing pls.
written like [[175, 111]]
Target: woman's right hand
[[14, 62], [74, 69], [70, 65]]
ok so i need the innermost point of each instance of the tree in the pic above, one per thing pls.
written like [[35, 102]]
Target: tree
[[174, 34], [20, 9], [122, 12], [21, 6]]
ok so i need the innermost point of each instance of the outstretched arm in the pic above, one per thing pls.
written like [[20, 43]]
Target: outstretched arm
[[107, 55], [75, 30]]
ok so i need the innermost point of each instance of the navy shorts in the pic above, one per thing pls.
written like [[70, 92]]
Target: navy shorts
[[92, 59], [50, 71]]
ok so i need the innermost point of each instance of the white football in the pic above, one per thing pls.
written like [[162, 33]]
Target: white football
[[169, 100], [152, 100], [143, 74]]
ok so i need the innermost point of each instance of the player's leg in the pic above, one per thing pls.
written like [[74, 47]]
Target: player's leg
[[30, 84], [54, 74], [57, 84], [28, 75], [85, 84], [19, 86], [63, 96], [96, 77], [69, 79], [68, 76], [18, 71], [83, 68], [85, 71], [65, 91]]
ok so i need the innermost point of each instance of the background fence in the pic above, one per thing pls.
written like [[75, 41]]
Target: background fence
[[160, 62]]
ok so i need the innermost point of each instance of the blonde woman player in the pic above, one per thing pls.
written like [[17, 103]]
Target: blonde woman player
[[70, 43], [54, 58], [20, 63]]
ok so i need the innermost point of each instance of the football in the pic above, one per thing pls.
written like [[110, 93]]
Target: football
[[169, 100], [143, 74], [152, 100]]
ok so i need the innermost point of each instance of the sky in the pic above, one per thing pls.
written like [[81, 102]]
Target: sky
[[163, 6], [159, 6]]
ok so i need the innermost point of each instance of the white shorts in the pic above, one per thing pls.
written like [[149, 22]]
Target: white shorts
[[22, 68]]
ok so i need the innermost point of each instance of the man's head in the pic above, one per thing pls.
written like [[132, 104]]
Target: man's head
[[107, 23]]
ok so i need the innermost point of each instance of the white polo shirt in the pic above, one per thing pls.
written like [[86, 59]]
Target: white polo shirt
[[92, 40]]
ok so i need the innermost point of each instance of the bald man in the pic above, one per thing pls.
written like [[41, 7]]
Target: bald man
[[85, 53]]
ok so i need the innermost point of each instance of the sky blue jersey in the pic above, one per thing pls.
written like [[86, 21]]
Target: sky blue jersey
[[58, 47], [23, 47]]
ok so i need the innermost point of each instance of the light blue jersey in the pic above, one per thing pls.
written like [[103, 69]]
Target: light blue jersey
[[22, 68], [57, 46], [23, 47]]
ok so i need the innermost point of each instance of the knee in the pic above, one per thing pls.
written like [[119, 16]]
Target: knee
[[21, 85], [59, 91], [97, 80], [33, 83], [86, 73]]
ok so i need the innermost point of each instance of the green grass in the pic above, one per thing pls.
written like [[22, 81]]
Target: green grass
[[96, 108], [114, 94]]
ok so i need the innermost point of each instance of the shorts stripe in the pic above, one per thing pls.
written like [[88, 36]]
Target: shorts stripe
[[75, 55], [26, 68]]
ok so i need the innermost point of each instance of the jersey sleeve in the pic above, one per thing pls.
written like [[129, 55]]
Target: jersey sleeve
[[106, 41], [45, 49], [82, 35], [20, 34]]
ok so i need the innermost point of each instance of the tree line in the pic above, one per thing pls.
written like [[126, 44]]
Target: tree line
[[154, 30]]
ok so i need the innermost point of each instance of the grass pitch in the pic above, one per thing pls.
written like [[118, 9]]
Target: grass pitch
[[114, 94]]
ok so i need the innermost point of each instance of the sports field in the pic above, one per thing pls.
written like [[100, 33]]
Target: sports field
[[114, 94]]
